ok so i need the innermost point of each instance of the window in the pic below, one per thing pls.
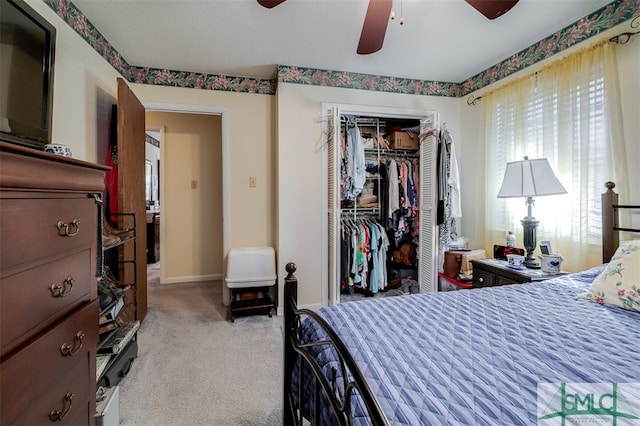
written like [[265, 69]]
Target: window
[[561, 113]]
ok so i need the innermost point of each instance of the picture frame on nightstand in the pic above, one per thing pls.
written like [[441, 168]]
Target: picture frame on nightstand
[[545, 247]]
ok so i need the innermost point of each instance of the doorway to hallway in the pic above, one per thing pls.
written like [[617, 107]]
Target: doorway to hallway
[[190, 200]]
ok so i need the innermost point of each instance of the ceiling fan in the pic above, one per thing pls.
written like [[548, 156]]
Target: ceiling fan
[[378, 12]]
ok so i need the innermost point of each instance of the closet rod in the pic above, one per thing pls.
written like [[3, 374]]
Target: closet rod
[[370, 121], [361, 211], [393, 156], [362, 120]]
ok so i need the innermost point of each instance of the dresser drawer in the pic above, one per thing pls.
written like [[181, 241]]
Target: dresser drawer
[[80, 413], [482, 278], [36, 379], [35, 299], [504, 280], [40, 227]]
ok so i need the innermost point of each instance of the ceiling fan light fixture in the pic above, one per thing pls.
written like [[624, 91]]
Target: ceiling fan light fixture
[[492, 9], [393, 15]]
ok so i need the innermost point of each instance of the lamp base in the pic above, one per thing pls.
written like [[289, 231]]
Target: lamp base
[[529, 225], [531, 264]]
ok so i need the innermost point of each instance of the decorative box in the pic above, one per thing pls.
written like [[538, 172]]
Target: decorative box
[[466, 267], [404, 140]]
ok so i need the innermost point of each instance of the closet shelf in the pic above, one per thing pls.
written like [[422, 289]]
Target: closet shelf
[[359, 209]]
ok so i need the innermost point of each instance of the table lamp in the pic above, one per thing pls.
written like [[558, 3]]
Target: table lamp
[[530, 178]]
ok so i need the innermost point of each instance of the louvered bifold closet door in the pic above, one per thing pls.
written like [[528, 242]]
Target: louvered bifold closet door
[[427, 273], [333, 190]]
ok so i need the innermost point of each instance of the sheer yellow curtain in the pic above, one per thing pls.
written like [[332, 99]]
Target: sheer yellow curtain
[[569, 113]]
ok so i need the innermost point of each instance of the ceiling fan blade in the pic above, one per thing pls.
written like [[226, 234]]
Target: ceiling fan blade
[[270, 3], [492, 8], [375, 26]]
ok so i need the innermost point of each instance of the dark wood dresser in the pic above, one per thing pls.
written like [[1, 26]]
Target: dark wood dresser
[[48, 263]]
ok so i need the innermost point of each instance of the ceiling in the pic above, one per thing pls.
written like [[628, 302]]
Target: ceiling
[[441, 40]]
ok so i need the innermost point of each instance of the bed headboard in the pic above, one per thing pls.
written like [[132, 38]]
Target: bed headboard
[[610, 222]]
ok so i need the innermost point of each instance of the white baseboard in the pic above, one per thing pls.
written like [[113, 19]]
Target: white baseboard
[[191, 279]]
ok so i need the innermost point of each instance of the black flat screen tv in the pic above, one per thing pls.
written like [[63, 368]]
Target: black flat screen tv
[[27, 52]]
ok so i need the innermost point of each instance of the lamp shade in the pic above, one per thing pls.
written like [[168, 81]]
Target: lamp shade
[[530, 178]]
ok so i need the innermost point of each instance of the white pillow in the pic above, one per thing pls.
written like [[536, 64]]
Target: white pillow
[[619, 283]]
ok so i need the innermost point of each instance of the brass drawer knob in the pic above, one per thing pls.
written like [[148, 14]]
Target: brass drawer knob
[[70, 350], [58, 415], [62, 290], [70, 229]]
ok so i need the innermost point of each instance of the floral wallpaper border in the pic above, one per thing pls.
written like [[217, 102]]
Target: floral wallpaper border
[[349, 80], [606, 17], [153, 141], [66, 10]]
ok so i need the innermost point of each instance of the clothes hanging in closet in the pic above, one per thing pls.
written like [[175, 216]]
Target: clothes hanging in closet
[[364, 246], [353, 168], [449, 201], [400, 202]]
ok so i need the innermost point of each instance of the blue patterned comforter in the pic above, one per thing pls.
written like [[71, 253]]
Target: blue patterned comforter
[[475, 357]]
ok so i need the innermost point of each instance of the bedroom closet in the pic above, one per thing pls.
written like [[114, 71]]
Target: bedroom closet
[[381, 203]]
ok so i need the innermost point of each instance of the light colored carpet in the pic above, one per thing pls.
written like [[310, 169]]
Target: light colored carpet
[[195, 367]]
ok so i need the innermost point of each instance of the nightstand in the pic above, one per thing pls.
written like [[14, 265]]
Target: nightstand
[[493, 272]]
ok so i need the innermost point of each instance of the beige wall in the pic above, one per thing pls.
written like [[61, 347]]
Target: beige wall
[[83, 92], [285, 208], [248, 150], [300, 179], [85, 88], [191, 219], [629, 75], [300, 152]]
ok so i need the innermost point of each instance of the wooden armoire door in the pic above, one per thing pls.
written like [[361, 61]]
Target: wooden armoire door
[[131, 186]]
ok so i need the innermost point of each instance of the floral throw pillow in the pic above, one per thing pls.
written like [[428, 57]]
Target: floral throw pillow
[[619, 282]]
